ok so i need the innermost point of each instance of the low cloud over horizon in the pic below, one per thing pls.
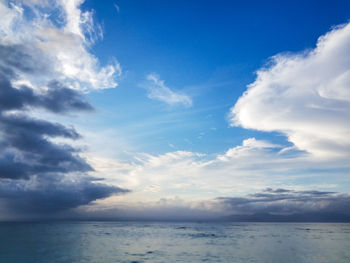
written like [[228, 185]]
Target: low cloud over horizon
[[270, 204], [289, 202]]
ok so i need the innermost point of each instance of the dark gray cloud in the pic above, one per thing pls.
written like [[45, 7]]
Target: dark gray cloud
[[27, 150], [53, 194], [58, 98], [289, 204], [62, 99], [20, 57], [278, 190], [35, 170]]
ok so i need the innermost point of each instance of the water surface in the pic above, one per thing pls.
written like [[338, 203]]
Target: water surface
[[94, 242]]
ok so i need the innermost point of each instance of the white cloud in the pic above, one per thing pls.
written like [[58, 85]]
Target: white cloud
[[252, 166], [117, 7], [305, 96], [157, 90], [60, 34], [254, 143]]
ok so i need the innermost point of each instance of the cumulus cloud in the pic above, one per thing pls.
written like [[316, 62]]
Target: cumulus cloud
[[157, 90], [304, 96], [56, 36], [37, 174]]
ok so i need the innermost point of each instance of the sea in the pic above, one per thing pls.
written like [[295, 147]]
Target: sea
[[132, 242]]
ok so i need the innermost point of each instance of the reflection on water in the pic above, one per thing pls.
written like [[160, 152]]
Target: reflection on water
[[94, 242]]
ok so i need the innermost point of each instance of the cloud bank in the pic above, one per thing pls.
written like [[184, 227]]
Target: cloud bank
[[270, 204], [45, 65], [286, 202], [304, 96], [251, 166]]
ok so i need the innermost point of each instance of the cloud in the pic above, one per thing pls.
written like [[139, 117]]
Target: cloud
[[288, 202], [52, 195], [267, 205], [157, 90], [251, 166], [26, 149], [57, 37], [304, 96], [38, 174], [116, 7], [56, 97], [254, 143], [167, 209]]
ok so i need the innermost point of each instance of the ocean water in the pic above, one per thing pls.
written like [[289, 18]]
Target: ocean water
[[93, 242]]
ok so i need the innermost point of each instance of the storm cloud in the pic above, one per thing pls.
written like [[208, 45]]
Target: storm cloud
[[51, 194], [38, 174], [27, 149]]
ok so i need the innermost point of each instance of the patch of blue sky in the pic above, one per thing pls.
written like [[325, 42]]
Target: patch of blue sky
[[209, 51]]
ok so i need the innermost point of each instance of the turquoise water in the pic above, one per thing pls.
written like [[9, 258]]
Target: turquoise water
[[94, 242]]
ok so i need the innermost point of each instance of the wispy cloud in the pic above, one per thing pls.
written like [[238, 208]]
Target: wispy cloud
[[116, 7], [157, 90], [305, 96]]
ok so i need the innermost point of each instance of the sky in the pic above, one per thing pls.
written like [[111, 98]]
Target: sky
[[174, 110]]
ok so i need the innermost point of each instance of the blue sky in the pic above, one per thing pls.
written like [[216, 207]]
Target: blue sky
[[209, 51], [136, 108]]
